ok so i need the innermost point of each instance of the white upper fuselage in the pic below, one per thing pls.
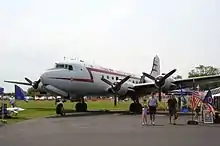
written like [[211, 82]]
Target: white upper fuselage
[[79, 78]]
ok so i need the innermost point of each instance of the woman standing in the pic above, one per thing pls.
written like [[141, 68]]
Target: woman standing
[[144, 113]]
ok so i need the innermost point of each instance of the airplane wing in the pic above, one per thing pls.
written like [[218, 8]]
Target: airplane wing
[[184, 83], [146, 88]]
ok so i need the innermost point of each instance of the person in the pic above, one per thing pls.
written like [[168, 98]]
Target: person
[[144, 113], [198, 109], [12, 102], [172, 105], [152, 103]]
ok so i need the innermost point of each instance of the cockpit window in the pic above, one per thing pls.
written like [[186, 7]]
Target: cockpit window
[[64, 66], [70, 67], [60, 65]]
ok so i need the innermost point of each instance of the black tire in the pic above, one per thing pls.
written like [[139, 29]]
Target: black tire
[[78, 107], [60, 109], [81, 107], [84, 107], [132, 107], [138, 108]]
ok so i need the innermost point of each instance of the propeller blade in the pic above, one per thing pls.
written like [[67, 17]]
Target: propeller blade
[[28, 80], [149, 76], [169, 74], [107, 81], [36, 83], [122, 81], [22, 83]]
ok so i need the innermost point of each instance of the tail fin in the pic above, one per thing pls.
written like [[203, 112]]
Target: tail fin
[[156, 67], [19, 94]]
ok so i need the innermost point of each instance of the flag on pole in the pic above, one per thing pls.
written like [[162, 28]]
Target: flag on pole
[[195, 99], [208, 98], [19, 94], [209, 108]]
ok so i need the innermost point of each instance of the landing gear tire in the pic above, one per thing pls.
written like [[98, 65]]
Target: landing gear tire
[[60, 109], [81, 107], [135, 108]]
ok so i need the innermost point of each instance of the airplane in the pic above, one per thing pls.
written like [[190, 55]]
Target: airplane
[[77, 79]]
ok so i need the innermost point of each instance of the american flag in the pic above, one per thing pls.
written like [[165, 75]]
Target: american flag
[[195, 100], [209, 108]]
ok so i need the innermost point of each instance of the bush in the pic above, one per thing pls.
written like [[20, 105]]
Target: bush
[[162, 106]]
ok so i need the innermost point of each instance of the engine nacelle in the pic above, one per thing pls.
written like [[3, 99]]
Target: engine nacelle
[[124, 89], [164, 85]]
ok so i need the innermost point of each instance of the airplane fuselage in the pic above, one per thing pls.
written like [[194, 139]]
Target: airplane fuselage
[[82, 79]]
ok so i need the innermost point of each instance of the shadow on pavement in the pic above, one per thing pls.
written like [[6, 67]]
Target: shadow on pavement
[[91, 113]]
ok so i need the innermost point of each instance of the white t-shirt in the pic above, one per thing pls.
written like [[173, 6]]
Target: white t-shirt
[[152, 101]]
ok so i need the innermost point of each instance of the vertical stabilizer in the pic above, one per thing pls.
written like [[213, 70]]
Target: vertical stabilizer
[[156, 67]]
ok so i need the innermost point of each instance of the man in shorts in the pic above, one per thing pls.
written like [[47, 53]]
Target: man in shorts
[[152, 104], [172, 105]]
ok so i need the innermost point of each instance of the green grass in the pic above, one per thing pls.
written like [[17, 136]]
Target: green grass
[[36, 109]]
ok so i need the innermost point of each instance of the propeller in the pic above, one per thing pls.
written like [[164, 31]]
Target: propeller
[[160, 80], [116, 86], [28, 83]]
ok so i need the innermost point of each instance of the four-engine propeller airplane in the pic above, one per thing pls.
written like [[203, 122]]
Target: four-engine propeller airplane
[[77, 79]]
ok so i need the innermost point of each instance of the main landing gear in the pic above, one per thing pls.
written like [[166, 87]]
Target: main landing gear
[[135, 107], [81, 106]]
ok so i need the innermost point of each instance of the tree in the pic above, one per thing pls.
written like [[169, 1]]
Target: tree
[[202, 70], [31, 91], [177, 77]]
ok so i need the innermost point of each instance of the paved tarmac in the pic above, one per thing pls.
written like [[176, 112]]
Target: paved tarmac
[[107, 130]]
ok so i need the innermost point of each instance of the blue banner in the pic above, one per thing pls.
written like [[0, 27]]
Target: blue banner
[[19, 93], [1, 91]]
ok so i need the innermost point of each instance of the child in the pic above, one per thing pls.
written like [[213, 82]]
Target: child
[[144, 113]]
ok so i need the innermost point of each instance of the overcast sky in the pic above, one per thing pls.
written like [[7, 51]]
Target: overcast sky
[[119, 34]]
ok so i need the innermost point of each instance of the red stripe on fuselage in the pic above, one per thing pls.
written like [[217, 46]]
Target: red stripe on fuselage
[[90, 70]]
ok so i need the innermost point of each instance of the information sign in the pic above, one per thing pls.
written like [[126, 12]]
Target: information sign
[[207, 117]]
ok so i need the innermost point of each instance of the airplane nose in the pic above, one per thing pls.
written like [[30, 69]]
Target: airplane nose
[[44, 77], [47, 76]]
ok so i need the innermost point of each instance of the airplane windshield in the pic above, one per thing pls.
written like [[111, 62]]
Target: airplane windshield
[[60, 66], [64, 66]]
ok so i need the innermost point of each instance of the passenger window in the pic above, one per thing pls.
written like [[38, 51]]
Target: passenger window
[[112, 78], [116, 78], [70, 67], [107, 77]]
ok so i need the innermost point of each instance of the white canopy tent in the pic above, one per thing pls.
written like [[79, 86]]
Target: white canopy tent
[[215, 95]]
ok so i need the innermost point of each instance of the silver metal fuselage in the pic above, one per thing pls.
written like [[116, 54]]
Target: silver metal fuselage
[[84, 79]]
